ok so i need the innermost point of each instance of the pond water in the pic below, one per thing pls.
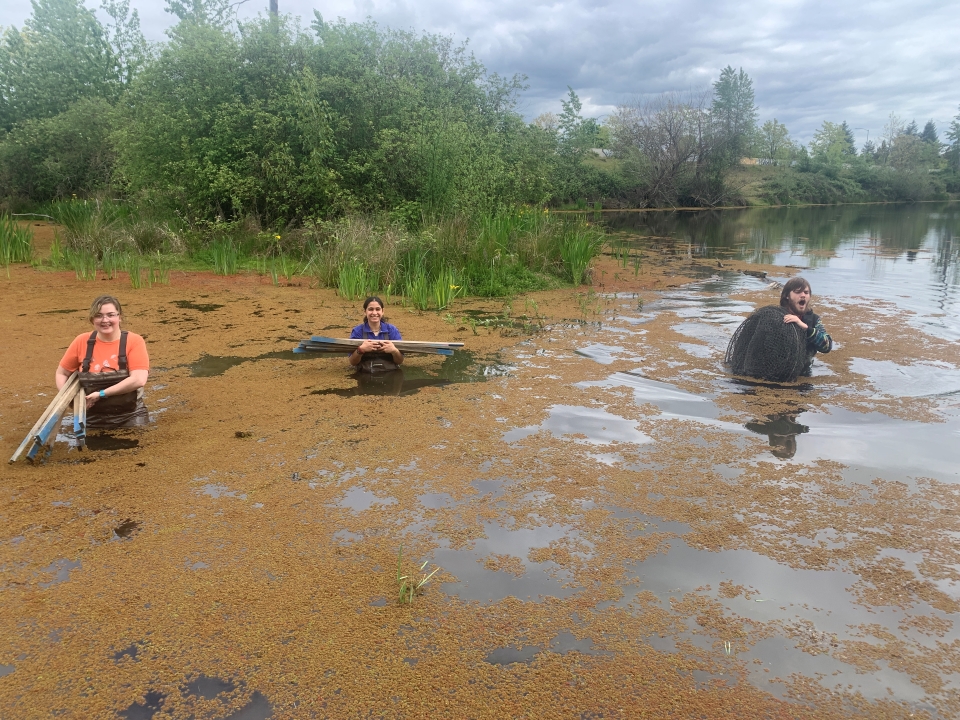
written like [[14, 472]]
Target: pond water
[[896, 264], [902, 254], [619, 524]]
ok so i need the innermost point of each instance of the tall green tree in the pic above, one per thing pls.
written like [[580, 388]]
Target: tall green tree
[[831, 144], [61, 55], [929, 134], [851, 142], [733, 112], [773, 142], [953, 135]]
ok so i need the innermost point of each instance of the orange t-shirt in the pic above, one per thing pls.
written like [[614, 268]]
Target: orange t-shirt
[[105, 354]]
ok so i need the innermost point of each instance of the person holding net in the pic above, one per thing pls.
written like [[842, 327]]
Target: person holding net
[[778, 342], [795, 298]]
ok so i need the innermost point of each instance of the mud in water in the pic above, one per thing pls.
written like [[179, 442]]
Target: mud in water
[[622, 528]]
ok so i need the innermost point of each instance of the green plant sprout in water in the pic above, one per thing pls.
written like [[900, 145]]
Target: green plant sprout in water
[[411, 585]]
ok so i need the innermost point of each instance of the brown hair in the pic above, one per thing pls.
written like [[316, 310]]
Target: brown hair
[[797, 283], [378, 301], [100, 302]]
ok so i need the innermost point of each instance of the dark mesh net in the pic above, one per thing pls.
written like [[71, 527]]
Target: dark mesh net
[[766, 347]]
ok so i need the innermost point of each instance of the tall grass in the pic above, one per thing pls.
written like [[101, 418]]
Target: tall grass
[[577, 249], [135, 269], [82, 261], [16, 242], [445, 289], [226, 257], [429, 263], [354, 280], [489, 255]]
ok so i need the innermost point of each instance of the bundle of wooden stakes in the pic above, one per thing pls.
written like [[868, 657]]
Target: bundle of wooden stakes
[[337, 346], [44, 431]]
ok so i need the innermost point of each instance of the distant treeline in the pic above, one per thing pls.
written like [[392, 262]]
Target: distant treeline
[[288, 124]]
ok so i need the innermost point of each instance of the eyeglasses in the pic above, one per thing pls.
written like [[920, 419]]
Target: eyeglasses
[[108, 316]]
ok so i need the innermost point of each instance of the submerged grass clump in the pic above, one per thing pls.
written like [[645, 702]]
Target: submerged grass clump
[[411, 585]]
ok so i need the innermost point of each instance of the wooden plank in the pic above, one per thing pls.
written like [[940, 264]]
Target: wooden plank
[[80, 418], [69, 387], [407, 343], [341, 350], [47, 433]]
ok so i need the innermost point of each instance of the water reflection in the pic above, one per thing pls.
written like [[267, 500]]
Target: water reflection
[[908, 255], [388, 383], [782, 430]]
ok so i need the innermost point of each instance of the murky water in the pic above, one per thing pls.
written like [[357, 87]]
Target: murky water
[[908, 255], [905, 258], [603, 500]]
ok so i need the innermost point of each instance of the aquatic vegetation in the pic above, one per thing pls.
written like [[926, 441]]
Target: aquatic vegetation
[[112, 261], [354, 280], [417, 291], [135, 268], [226, 257], [159, 271], [445, 289], [16, 242], [577, 250], [82, 261], [90, 224], [411, 585]]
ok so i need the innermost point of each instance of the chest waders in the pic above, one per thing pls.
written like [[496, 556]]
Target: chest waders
[[94, 382]]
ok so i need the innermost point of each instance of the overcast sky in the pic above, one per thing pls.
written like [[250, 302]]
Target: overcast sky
[[810, 61]]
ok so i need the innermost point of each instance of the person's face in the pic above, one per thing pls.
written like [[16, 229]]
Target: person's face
[[107, 320], [799, 300], [373, 313]]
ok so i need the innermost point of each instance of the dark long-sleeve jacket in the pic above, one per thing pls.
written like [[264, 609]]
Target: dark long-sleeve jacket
[[817, 338]]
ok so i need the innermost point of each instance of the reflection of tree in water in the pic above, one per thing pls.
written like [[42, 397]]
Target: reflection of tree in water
[[782, 430], [758, 234], [388, 383]]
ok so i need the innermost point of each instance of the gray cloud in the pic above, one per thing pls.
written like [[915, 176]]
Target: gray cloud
[[810, 60]]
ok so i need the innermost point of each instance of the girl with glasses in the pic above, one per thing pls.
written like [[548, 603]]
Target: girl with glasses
[[113, 365]]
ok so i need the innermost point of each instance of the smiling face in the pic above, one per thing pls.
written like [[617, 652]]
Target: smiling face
[[799, 300], [107, 321], [373, 313]]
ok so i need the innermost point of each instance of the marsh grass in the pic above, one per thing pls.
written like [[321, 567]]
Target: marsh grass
[[577, 249], [226, 256], [113, 261], [354, 280], [16, 243], [445, 289], [428, 263], [412, 585], [135, 269], [82, 261], [417, 290], [159, 269]]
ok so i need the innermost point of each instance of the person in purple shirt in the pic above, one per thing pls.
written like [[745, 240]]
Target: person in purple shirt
[[376, 353]]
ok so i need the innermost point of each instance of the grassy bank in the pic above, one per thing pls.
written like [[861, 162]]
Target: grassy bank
[[425, 263]]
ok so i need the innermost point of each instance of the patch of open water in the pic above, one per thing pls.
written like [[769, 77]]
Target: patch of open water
[[818, 609]]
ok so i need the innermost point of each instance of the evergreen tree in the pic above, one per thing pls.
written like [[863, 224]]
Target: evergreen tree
[[953, 135], [929, 134], [733, 112], [851, 143], [911, 129]]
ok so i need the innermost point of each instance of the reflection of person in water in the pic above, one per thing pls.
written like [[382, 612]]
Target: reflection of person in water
[[380, 383], [113, 365], [795, 299], [376, 353], [782, 431]]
